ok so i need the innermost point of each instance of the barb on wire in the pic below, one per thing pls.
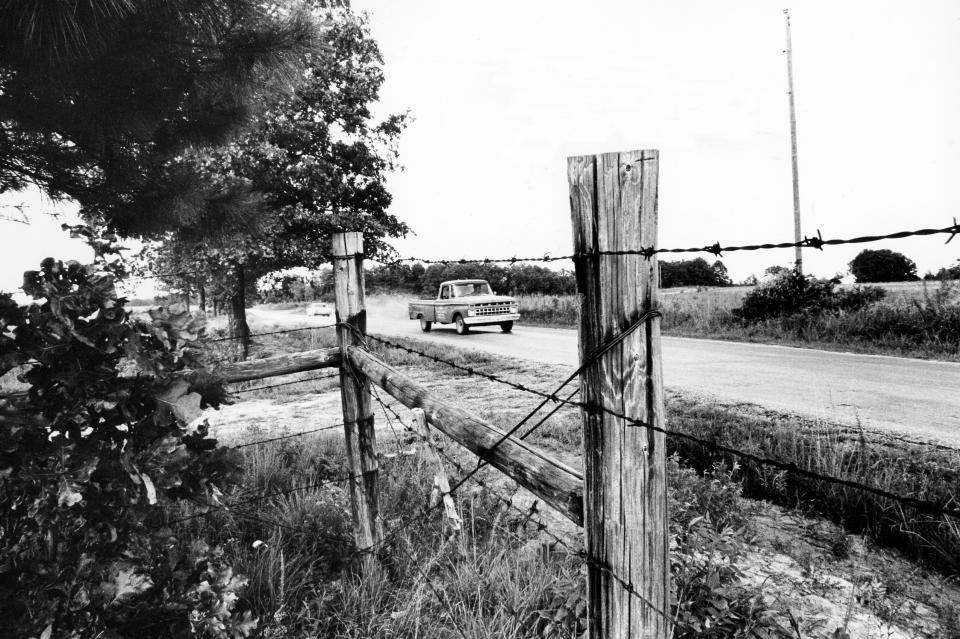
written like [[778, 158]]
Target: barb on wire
[[715, 249]]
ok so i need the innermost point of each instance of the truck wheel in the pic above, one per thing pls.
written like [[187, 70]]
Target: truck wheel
[[506, 327], [425, 326], [462, 327]]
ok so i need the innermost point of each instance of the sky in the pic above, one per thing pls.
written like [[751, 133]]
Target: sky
[[501, 93]]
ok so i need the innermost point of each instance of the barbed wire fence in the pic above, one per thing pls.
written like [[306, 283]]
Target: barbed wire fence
[[717, 249], [556, 401], [932, 507]]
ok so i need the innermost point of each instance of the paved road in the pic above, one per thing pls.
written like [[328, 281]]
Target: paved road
[[919, 398]]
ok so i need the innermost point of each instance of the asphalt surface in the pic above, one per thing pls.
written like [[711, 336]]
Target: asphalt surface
[[917, 398]]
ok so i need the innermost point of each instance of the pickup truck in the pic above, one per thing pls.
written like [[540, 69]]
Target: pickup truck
[[466, 303]]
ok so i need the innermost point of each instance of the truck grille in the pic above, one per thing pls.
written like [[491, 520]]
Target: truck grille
[[492, 309]]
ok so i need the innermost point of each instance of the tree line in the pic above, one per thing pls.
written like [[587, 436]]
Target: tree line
[[301, 284]]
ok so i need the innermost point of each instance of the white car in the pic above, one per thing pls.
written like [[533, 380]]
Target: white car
[[320, 308]]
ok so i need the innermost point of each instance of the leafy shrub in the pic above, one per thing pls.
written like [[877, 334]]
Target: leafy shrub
[[91, 459], [708, 531], [791, 293]]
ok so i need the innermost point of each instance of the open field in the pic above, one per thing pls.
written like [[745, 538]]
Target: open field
[[785, 572], [916, 319]]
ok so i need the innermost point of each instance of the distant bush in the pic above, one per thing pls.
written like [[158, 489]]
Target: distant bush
[[695, 272], [791, 293], [882, 265]]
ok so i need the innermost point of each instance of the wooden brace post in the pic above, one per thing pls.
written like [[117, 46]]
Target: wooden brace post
[[441, 482]]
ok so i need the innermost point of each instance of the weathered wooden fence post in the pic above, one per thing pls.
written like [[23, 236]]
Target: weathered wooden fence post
[[355, 392], [613, 201]]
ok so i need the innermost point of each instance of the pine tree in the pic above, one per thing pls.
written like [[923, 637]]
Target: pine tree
[[100, 98]]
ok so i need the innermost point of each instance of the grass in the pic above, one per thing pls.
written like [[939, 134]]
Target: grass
[[918, 319], [854, 454], [499, 577]]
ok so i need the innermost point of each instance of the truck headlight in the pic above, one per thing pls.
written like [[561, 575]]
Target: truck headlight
[[514, 309], [471, 312]]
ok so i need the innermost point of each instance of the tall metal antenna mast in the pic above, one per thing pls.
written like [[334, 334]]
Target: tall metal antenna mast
[[793, 148]]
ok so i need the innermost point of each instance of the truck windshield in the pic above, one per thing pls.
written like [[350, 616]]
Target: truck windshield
[[473, 288]]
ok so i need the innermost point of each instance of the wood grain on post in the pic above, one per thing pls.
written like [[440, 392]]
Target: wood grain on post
[[358, 426], [552, 481], [286, 364], [613, 201]]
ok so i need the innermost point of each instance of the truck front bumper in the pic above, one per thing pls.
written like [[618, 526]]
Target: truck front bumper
[[480, 320]]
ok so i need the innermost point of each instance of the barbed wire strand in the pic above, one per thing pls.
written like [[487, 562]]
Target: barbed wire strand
[[228, 338], [235, 507], [232, 507], [295, 381], [716, 249], [816, 242], [922, 505], [290, 436]]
